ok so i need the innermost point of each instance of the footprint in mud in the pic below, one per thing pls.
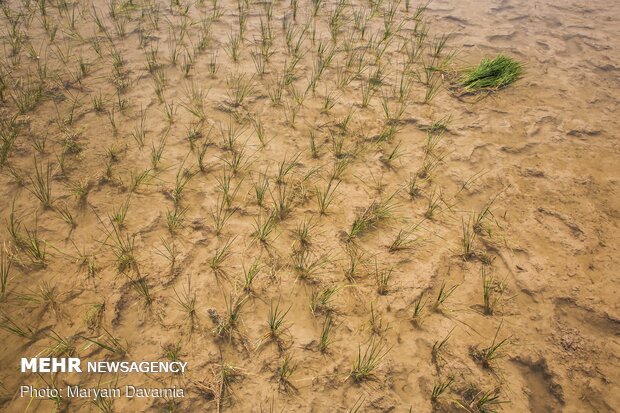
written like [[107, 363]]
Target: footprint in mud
[[561, 229], [544, 395]]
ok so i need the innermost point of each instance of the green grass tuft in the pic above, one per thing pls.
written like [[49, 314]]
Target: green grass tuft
[[491, 74]]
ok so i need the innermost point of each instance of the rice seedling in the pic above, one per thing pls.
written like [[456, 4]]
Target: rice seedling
[[306, 264], [65, 214], [377, 325], [46, 296], [275, 321], [491, 74], [62, 346], [11, 327], [382, 279], [112, 120], [259, 128], [418, 306], [250, 275], [492, 291], [321, 300], [432, 88], [231, 134], [263, 227], [117, 218], [438, 346], [38, 143], [141, 285], [366, 363], [389, 157], [314, 148], [168, 251], [290, 113], [440, 387], [226, 187], [79, 190], [122, 246], [172, 351], [338, 145], [240, 87], [443, 295], [434, 204], [284, 373], [34, 247], [371, 216], [227, 325], [285, 167], [282, 201], [151, 56], [107, 341], [221, 255], [170, 111], [158, 151], [482, 401], [213, 66], [233, 46], [186, 299], [404, 239], [221, 214], [261, 185], [137, 179], [238, 162], [187, 64], [182, 178], [175, 218], [468, 239], [139, 132], [275, 91], [27, 95], [325, 339], [488, 356], [42, 183], [303, 232], [481, 219]]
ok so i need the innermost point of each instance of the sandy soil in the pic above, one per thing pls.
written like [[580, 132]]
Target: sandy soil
[[540, 157]]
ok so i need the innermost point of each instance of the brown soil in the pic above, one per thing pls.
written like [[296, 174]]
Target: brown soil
[[541, 154]]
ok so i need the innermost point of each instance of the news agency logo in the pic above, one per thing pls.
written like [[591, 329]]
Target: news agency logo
[[74, 365], [51, 365]]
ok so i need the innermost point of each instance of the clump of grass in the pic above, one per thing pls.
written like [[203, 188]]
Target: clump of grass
[[186, 299], [440, 387], [481, 401], [321, 301], [12, 327], [377, 325], [221, 254], [284, 373], [492, 291], [228, 324], [489, 355], [276, 324], [108, 342], [325, 338], [377, 211], [443, 295], [42, 184], [250, 275], [418, 306], [491, 74], [367, 363]]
